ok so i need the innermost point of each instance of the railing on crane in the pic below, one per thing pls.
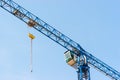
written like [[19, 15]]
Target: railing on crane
[[41, 26]]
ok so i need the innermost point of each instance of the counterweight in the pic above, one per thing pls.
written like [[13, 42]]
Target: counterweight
[[56, 36]]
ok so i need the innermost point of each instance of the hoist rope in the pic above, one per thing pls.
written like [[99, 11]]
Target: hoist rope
[[31, 57]]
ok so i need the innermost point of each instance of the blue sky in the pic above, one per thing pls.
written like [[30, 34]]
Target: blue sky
[[94, 24]]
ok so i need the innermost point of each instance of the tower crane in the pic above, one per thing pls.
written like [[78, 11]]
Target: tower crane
[[82, 58]]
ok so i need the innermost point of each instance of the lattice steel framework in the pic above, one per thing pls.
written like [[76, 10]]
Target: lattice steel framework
[[56, 36]]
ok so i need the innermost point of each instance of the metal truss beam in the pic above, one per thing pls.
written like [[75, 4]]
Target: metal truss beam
[[56, 36]]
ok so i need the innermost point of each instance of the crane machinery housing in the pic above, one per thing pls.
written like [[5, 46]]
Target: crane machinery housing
[[75, 55]]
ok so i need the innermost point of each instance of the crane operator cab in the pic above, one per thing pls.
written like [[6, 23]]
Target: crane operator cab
[[70, 59]]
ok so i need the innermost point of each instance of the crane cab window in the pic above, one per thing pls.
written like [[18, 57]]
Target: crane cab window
[[70, 58]]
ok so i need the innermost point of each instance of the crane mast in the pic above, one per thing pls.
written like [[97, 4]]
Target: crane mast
[[41, 26]]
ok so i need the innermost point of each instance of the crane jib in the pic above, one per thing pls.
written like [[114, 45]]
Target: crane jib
[[41, 26]]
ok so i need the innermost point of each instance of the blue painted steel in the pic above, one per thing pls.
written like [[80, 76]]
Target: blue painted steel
[[57, 36], [83, 70]]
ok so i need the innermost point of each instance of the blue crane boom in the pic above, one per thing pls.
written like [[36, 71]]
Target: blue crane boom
[[56, 36]]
